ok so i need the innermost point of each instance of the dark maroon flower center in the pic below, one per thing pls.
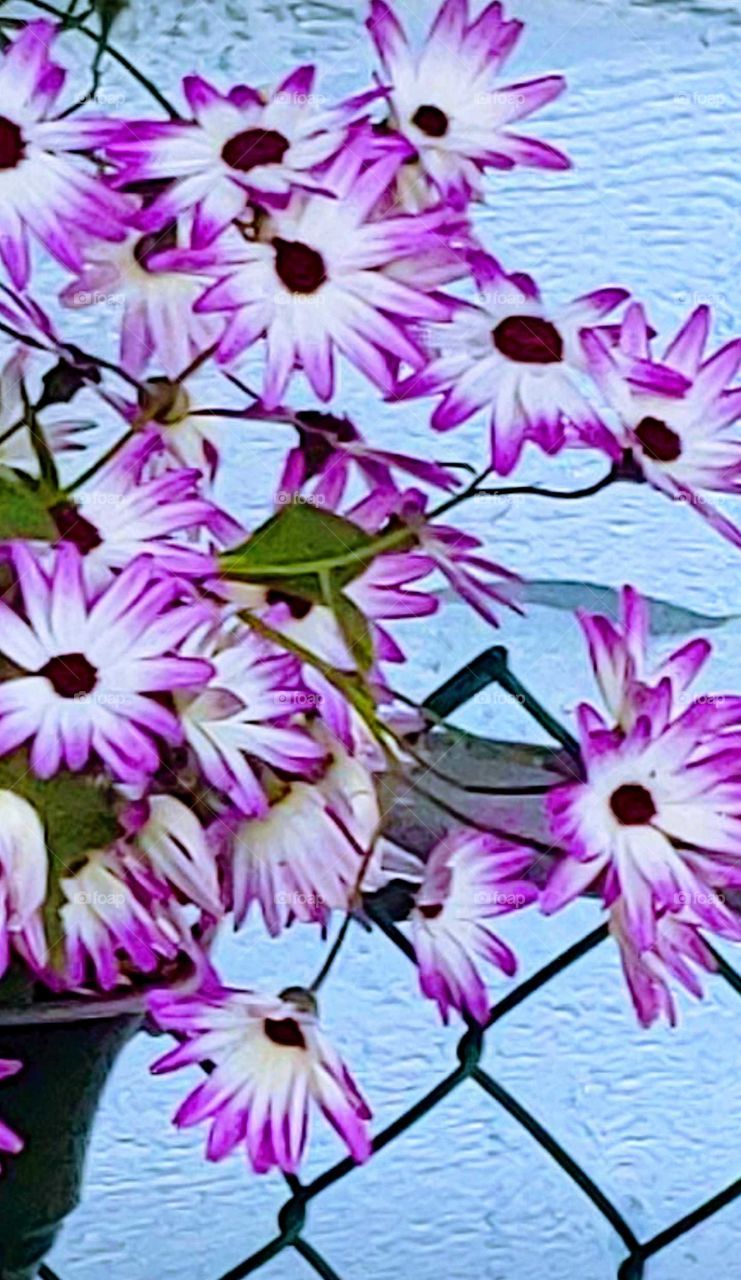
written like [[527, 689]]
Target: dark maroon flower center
[[320, 434], [71, 674], [253, 147], [529, 340], [155, 242], [284, 1031], [658, 440], [75, 528], [632, 805], [297, 606], [430, 910], [11, 144], [299, 266], [431, 120]]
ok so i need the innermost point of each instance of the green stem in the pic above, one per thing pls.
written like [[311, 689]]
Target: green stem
[[44, 456]]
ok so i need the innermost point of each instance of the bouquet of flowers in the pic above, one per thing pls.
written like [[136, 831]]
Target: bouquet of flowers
[[197, 718]]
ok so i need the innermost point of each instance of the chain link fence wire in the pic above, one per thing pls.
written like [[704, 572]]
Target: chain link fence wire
[[294, 1214]]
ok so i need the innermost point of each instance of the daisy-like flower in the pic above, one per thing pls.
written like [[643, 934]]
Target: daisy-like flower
[[175, 848], [523, 363], [313, 281], [245, 712], [189, 438], [271, 1063], [24, 866], [239, 145], [656, 820], [676, 414], [302, 860], [45, 188], [468, 879], [25, 316], [330, 448], [88, 665], [16, 450], [122, 513], [447, 100], [677, 948], [106, 924], [153, 304], [618, 653], [479, 581], [10, 1142]]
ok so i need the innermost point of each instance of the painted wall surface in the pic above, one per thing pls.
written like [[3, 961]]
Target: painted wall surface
[[652, 120]]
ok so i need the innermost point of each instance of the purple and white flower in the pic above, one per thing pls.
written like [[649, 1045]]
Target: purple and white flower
[[678, 947], [24, 871], [331, 448], [525, 364], [89, 665], [10, 1142], [47, 190], [107, 926], [189, 438], [618, 654], [241, 145], [448, 103], [169, 838], [677, 415], [271, 1063], [468, 879], [312, 282], [304, 857], [480, 582], [153, 305], [656, 819], [122, 512], [246, 712]]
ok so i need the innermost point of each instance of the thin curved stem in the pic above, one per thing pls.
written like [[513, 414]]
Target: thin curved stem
[[333, 953], [117, 56], [536, 491]]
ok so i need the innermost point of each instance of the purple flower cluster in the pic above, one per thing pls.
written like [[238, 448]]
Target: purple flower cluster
[[195, 716]]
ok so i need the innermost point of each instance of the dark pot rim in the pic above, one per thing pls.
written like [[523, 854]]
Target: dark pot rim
[[75, 1008]]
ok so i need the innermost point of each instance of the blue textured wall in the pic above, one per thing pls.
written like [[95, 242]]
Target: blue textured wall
[[653, 123]]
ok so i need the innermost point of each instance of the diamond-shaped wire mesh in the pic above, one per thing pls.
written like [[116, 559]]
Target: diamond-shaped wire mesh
[[293, 1216]]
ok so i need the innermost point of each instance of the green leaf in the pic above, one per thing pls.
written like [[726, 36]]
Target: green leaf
[[355, 630], [298, 544], [78, 816], [296, 552], [665, 618], [76, 811], [23, 512]]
